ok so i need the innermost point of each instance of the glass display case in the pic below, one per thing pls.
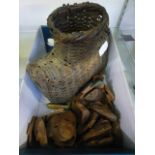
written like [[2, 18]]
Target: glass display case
[[33, 14], [124, 36]]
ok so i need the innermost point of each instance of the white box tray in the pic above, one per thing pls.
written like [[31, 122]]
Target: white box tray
[[32, 102]]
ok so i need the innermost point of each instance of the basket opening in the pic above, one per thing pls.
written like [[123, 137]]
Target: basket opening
[[79, 19]]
